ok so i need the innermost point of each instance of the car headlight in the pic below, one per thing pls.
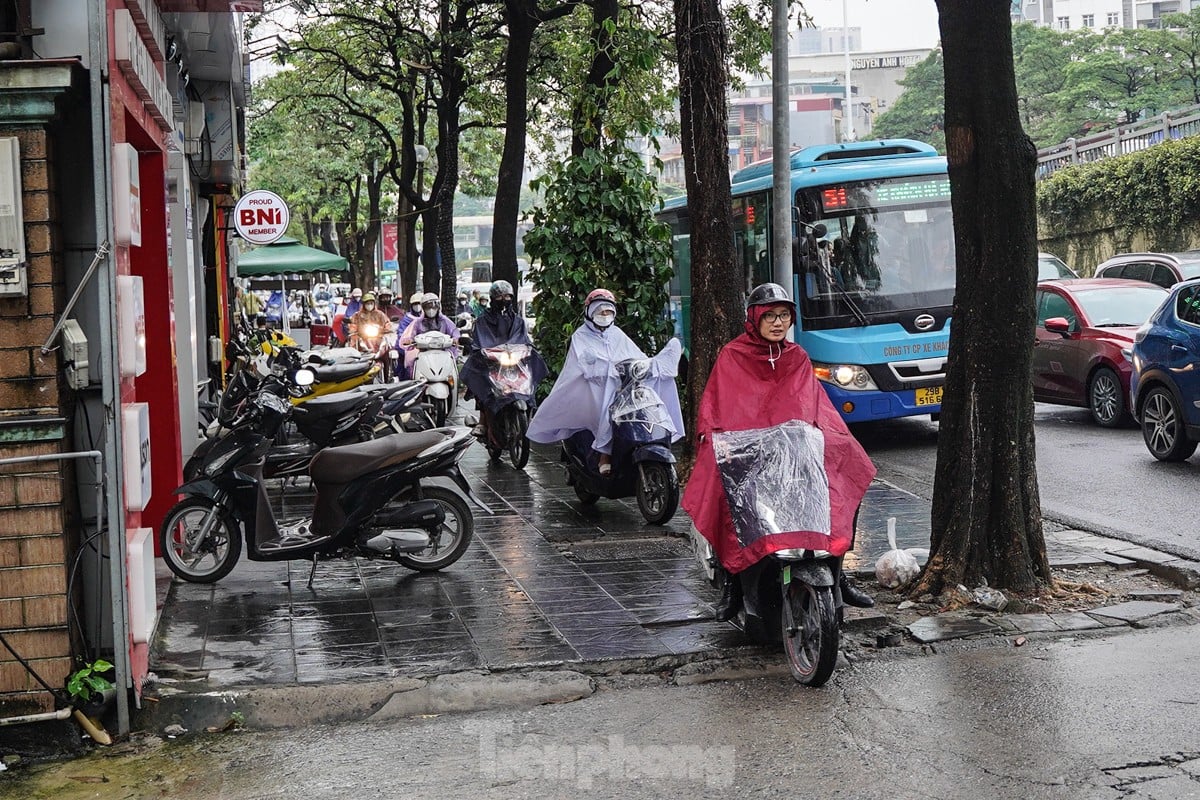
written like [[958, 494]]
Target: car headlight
[[847, 376], [1128, 353]]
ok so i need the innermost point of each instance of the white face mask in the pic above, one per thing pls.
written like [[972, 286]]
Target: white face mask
[[431, 313], [604, 318]]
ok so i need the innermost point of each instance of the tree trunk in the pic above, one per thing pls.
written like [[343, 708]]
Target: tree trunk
[[521, 26], [717, 299], [406, 248], [986, 517], [588, 117], [327, 242]]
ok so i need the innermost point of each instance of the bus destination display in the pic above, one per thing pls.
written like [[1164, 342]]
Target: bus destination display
[[836, 199]]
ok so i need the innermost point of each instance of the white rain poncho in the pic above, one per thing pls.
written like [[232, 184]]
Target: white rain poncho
[[585, 388]]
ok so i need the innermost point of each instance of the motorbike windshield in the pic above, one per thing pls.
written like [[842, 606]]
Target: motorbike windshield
[[636, 402], [509, 370], [774, 479]]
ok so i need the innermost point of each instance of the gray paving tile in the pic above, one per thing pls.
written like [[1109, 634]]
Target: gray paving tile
[[937, 629], [1133, 611]]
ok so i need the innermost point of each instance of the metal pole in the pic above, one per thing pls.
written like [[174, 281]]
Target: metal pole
[[848, 112], [781, 156], [110, 379]]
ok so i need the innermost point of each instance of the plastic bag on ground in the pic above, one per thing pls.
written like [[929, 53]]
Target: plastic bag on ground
[[896, 567]]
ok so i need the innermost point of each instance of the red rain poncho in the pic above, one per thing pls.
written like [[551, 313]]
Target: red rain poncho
[[745, 392]]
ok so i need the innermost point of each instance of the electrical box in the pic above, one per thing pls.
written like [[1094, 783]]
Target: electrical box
[[13, 279], [215, 351], [139, 560], [75, 354]]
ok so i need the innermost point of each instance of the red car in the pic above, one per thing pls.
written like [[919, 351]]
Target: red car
[[1084, 346]]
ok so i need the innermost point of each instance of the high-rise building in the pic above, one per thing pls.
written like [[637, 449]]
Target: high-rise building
[[1098, 14]]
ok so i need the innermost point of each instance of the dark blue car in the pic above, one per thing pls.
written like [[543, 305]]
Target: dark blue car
[[1165, 387]]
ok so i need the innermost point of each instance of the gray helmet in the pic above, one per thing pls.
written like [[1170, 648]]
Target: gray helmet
[[769, 294], [500, 288]]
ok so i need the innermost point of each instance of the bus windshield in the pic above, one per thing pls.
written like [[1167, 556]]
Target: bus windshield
[[888, 246]]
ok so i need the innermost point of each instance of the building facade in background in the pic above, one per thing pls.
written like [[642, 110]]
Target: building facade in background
[[125, 118], [1073, 15]]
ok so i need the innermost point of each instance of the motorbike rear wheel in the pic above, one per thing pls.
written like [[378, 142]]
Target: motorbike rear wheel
[[195, 531], [657, 491], [810, 632], [451, 541]]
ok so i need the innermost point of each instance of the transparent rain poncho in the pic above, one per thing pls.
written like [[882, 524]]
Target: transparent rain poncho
[[774, 479], [636, 402]]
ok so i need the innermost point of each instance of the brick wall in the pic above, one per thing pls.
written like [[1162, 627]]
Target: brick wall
[[33, 547]]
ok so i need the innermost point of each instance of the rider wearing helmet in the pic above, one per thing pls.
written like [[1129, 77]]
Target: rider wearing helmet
[[368, 315], [762, 381], [387, 305], [499, 324], [583, 394], [464, 304], [431, 319], [355, 303], [414, 310]]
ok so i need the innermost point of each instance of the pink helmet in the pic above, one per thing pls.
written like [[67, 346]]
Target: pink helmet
[[599, 294]]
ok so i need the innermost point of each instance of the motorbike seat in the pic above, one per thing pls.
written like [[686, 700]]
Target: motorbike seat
[[335, 373], [343, 464], [331, 405]]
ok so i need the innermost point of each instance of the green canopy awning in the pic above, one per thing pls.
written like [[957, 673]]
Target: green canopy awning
[[286, 256]]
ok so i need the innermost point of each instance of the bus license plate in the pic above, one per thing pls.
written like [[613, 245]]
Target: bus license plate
[[929, 396]]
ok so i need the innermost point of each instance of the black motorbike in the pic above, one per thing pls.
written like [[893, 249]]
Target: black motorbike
[[372, 499], [642, 462], [512, 398]]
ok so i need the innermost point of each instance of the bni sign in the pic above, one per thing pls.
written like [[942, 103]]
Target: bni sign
[[261, 217]]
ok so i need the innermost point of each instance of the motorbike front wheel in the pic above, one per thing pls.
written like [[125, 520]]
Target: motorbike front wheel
[[810, 632], [441, 410], [453, 537], [199, 542], [514, 432], [657, 491]]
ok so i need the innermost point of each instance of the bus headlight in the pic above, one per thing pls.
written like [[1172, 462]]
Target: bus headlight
[[846, 376]]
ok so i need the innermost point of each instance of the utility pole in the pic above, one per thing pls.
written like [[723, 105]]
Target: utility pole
[[848, 111], [781, 147]]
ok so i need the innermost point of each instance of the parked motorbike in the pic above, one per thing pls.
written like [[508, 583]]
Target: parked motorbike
[[373, 499], [642, 463], [512, 387], [437, 368]]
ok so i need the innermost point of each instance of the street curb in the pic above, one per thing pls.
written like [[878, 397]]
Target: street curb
[[291, 706]]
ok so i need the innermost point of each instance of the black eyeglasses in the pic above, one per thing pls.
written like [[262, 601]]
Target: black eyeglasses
[[778, 316]]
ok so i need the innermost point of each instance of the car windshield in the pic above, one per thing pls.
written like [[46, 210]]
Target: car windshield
[[1051, 267], [1119, 306]]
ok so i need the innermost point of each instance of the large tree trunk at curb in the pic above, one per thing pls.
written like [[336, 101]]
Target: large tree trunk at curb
[[717, 299], [986, 518]]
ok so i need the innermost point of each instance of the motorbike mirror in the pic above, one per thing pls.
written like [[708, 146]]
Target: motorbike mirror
[[819, 230], [464, 340], [305, 377]]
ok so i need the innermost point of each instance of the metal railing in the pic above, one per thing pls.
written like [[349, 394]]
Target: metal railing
[[1120, 140]]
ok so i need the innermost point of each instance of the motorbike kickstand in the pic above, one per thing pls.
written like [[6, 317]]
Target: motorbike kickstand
[[312, 573]]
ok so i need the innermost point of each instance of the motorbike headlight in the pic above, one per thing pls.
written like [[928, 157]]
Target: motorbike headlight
[[509, 359], [847, 376], [215, 466], [370, 330]]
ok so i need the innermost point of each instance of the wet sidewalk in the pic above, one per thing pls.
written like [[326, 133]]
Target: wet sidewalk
[[545, 583]]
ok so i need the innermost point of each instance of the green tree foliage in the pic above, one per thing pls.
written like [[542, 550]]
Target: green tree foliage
[[1157, 190], [1069, 83], [596, 228], [919, 112]]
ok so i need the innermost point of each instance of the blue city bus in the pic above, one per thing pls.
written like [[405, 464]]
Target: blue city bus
[[873, 252]]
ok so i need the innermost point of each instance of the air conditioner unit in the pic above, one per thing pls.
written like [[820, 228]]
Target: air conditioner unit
[[13, 280], [75, 354]]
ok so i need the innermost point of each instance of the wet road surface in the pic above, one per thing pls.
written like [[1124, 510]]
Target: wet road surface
[[1084, 718]]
